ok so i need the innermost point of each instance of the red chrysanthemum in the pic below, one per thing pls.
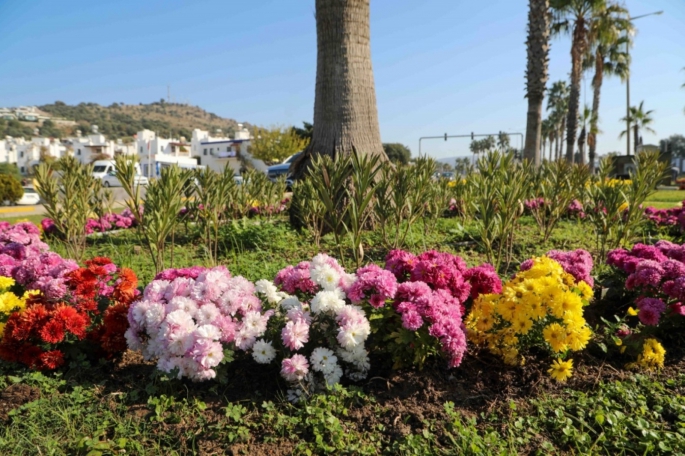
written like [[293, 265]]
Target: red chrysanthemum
[[77, 324], [99, 261], [52, 332], [51, 359], [125, 288]]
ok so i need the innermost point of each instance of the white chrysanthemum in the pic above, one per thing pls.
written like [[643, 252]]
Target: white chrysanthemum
[[207, 314], [352, 335], [333, 377], [187, 305], [357, 356], [290, 302], [295, 395], [263, 352], [180, 342], [323, 360], [244, 341], [254, 324], [210, 332], [327, 301], [325, 276], [269, 290], [154, 316], [132, 340], [138, 312]]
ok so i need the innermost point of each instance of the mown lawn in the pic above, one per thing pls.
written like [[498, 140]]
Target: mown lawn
[[665, 199]]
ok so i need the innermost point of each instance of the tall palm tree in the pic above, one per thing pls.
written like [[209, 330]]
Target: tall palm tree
[[584, 119], [640, 120], [547, 137], [345, 112], [576, 17], [537, 46], [557, 102], [608, 57]]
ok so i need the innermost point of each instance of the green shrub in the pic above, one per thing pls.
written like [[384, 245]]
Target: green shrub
[[10, 188]]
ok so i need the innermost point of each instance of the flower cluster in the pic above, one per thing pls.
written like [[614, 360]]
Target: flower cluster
[[534, 204], [540, 306], [17, 243], [673, 217], [107, 222], [578, 263], [37, 332], [575, 209], [318, 331], [186, 322], [657, 274], [9, 302], [428, 307]]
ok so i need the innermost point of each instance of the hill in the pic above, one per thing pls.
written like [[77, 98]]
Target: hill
[[123, 121]]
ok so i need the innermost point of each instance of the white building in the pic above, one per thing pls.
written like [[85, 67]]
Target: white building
[[217, 152], [26, 153], [95, 146], [155, 153]]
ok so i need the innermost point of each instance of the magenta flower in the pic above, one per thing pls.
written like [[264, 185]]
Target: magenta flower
[[295, 368]]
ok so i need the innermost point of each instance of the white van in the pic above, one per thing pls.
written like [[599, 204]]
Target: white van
[[106, 171]]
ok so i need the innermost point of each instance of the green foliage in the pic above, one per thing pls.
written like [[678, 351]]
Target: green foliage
[[674, 145], [616, 211], [15, 129], [275, 144], [10, 169], [401, 193], [397, 153], [309, 208], [499, 189], [10, 188], [159, 218], [68, 199], [558, 183]]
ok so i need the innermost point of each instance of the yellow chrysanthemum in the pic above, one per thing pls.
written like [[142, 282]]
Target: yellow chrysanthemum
[[555, 335], [507, 309], [631, 312], [2, 329], [510, 356], [6, 282], [535, 309], [578, 338], [652, 356], [9, 302], [623, 207], [522, 324], [561, 370], [585, 290]]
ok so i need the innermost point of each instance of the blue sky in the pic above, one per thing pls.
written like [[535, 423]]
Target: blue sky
[[452, 66]]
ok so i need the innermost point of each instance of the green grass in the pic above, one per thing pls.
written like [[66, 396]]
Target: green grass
[[106, 409], [665, 199]]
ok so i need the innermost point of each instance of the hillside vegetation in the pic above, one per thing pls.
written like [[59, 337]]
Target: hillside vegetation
[[123, 121]]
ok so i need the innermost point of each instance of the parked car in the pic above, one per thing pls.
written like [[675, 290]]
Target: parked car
[[448, 175], [276, 171], [30, 198], [110, 180]]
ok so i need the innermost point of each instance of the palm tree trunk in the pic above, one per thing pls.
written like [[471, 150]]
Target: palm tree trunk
[[345, 112], [594, 119], [581, 145], [636, 137], [536, 74], [561, 137], [577, 51]]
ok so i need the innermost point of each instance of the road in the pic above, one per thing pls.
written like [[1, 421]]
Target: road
[[22, 211]]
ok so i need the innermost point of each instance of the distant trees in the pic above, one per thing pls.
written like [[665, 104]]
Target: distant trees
[[397, 153], [305, 132], [14, 128], [10, 188], [50, 130], [10, 169], [273, 145], [674, 144], [640, 120]]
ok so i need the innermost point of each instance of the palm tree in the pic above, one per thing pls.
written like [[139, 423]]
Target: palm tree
[[607, 55], [537, 46], [585, 118], [577, 17], [557, 101], [345, 112], [547, 130], [640, 120]]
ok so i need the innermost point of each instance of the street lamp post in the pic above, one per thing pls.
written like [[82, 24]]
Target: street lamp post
[[631, 19]]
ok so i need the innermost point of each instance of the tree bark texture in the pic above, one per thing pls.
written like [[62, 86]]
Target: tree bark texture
[[537, 74], [345, 112], [578, 48]]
